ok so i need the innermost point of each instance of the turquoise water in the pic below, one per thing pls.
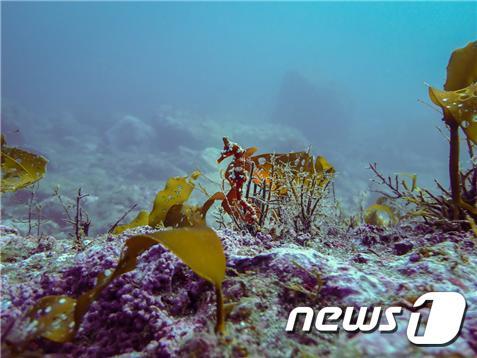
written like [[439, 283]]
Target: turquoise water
[[343, 77]]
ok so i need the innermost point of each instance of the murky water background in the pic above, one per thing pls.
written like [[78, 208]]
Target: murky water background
[[120, 96]]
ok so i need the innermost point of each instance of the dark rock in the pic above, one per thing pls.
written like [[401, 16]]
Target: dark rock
[[389, 238], [8, 230], [469, 244], [407, 271], [332, 231], [369, 240], [303, 239], [360, 259], [403, 247], [242, 264]]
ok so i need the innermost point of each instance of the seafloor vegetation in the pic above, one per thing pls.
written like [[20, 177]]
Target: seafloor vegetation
[[165, 283]]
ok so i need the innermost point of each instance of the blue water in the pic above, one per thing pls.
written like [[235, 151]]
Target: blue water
[[343, 77]]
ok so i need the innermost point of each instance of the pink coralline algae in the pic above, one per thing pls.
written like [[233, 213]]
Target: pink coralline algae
[[137, 309], [163, 309]]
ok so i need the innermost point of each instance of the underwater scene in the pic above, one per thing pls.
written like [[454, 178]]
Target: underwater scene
[[238, 179]]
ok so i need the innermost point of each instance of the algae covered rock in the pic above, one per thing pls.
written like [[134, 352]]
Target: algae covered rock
[[162, 308]]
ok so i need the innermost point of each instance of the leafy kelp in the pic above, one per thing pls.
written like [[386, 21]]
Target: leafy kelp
[[458, 101], [177, 191], [462, 67], [169, 208], [459, 107], [58, 318], [380, 214], [20, 168], [52, 317], [141, 219], [184, 215]]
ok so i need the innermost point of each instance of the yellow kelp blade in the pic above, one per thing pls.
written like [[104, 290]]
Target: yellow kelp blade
[[70, 310], [324, 171], [177, 191], [322, 165], [379, 215], [20, 168], [51, 318], [460, 107], [462, 68], [141, 219], [199, 248], [59, 317], [183, 215], [472, 224]]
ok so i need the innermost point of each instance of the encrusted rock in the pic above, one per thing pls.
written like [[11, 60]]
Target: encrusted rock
[[401, 248], [163, 309]]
